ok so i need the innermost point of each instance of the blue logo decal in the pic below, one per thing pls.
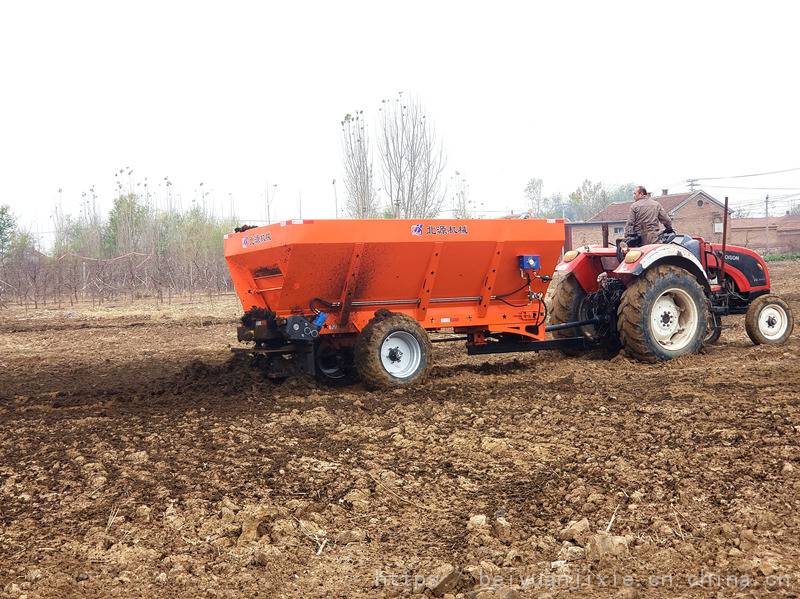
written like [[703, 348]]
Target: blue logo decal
[[416, 229]]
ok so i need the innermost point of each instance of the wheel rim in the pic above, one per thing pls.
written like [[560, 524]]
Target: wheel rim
[[674, 319], [401, 354], [772, 321]]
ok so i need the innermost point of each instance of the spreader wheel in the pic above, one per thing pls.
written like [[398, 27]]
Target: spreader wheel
[[662, 315], [334, 366], [769, 320], [393, 350]]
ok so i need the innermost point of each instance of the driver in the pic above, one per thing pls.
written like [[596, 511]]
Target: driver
[[645, 216]]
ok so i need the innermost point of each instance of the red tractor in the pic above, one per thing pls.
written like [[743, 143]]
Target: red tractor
[[663, 300]]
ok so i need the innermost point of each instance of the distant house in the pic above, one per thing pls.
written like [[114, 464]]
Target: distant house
[[696, 213], [778, 234]]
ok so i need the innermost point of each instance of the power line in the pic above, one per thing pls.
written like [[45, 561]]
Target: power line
[[760, 203], [782, 196], [788, 170], [755, 188]]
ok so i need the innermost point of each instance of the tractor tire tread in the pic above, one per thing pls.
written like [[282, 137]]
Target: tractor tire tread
[[565, 292], [751, 319], [629, 315]]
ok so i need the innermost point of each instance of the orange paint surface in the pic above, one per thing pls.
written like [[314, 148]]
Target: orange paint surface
[[443, 273]]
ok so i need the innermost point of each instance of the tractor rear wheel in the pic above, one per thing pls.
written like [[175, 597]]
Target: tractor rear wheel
[[393, 350], [663, 315], [568, 304], [769, 320]]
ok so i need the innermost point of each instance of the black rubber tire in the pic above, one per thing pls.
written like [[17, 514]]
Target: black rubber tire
[[566, 300], [754, 311], [334, 367], [368, 347], [633, 315], [714, 329]]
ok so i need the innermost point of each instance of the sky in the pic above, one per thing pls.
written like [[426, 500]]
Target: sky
[[245, 95]]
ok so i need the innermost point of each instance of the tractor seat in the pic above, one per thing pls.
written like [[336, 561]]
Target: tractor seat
[[689, 243]]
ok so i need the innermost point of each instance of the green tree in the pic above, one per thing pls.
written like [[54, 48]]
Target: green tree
[[126, 223], [621, 193], [7, 227]]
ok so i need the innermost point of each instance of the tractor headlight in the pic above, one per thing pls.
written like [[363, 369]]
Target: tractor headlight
[[632, 256], [570, 255]]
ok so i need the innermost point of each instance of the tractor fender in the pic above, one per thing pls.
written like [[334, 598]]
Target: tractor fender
[[666, 254], [585, 267]]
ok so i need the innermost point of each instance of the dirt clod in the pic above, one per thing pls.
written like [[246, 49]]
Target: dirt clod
[[601, 545], [576, 530], [443, 579], [477, 521]]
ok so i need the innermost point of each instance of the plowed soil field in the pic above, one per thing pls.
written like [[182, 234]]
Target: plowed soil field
[[139, 458]]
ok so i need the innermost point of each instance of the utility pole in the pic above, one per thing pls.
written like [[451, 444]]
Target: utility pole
[[766, 224], [269, 200], [692, 183], [266, 198], [335, 200]]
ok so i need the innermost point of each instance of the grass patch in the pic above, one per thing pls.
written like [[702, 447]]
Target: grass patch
[[782, 257]]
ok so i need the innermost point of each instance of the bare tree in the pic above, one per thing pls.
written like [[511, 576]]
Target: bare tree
[[533, 194], [358, 180], [412, 159], [461, 199], [588, 199]]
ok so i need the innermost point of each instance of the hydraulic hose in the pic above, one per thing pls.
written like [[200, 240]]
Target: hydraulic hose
[[315, 300], [502, 297]]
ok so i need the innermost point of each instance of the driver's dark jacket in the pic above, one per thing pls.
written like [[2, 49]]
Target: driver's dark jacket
[[644, 218]]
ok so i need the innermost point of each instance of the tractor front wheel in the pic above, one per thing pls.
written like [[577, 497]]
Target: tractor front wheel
[[393, 350], [663, 315], [769, 320]]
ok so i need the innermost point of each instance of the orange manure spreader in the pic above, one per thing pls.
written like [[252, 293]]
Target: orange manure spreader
[[356, 299]]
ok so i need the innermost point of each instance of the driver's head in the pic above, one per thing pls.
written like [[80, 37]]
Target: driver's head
[[639, 192]]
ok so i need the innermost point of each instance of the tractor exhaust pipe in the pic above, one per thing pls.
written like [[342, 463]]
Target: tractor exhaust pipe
[[724, 242]]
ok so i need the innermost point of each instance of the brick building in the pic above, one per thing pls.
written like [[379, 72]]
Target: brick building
[[779, 235], [696, 213]]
